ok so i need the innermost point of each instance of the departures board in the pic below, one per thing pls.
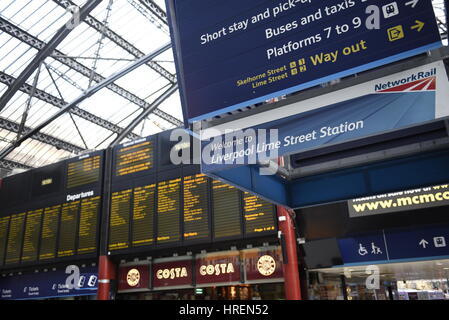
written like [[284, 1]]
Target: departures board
[[54, 215], [181, 207]]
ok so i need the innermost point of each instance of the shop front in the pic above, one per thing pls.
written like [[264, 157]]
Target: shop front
[[385, 247], [250, 274]]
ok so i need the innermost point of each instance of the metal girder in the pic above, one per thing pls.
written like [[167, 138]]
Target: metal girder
[[9, 165], [121, 42], [89, 92], [144, 114], [34, 42], [446, 9], [48, 98], [43, 53], [41, 137], [156, 10]]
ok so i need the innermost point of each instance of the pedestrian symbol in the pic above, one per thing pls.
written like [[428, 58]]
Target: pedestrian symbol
[[375, 249]]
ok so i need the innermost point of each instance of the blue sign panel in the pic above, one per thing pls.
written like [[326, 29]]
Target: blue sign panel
[[426, 242], [364, 248], [396, 244], [389, 103], [72, 281], [231, 54]]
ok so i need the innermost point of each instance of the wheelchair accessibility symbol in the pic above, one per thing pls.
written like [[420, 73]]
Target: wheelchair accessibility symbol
[[374, 249]]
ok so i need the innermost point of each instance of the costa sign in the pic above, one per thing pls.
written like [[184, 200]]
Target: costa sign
[[217, 269], [263, 264], [134, 278], [223, 267], [170, 274]]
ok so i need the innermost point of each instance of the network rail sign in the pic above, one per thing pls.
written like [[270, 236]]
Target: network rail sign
[[382, 105], [231, 54]]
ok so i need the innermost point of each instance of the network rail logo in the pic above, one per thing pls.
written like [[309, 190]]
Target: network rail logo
[[419, 81]]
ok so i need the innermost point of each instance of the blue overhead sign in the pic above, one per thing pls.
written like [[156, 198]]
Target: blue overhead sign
[[396, 245], [425, 242], [366, 248], [68, 282], [397, 101], [231, 54]]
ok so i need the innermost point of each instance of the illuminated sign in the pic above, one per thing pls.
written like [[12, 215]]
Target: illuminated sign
[[46, 182], [266, 265], [133, 277], [216, 269], [259, 50], [172, 272], [84, 171], [419, 198], [63, 282], [220, 267], [133, 157], [180, 272], [263, 264]]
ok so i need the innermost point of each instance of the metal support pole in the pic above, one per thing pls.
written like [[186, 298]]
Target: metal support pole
[[343, 287], [107, 270], [28, 106], [107, 275], [446, 9], [289, 248], [91, 91], [44, 53], [144, 114], [62, 98]]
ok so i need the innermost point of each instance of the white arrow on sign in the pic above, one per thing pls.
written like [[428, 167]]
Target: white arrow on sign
[[413, 3], [423, 243]]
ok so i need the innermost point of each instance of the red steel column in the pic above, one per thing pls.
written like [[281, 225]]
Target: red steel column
[[106, 273], [291, 271]]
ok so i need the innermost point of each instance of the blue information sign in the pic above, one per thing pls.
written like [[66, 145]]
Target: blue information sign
[[425, 242], [397, 244], [366, 248], [231, 54], [68, 282]]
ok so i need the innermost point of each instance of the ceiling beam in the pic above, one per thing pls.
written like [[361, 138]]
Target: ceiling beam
[[43, 53], [59, 103], [120, 41], [34, 42], [144, 114], [156, 10], [10, 165], [88, 93], [12, 126]]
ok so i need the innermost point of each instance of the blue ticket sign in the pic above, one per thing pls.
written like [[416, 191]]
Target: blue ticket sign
[[231, 54], [68, 282]]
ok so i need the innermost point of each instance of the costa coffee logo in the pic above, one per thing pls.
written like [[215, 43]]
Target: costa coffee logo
[[266, 265], [133, 277], [172, 273], [216, 269]]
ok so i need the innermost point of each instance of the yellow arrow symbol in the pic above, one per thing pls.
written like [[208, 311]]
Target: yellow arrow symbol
[[419, 25]]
